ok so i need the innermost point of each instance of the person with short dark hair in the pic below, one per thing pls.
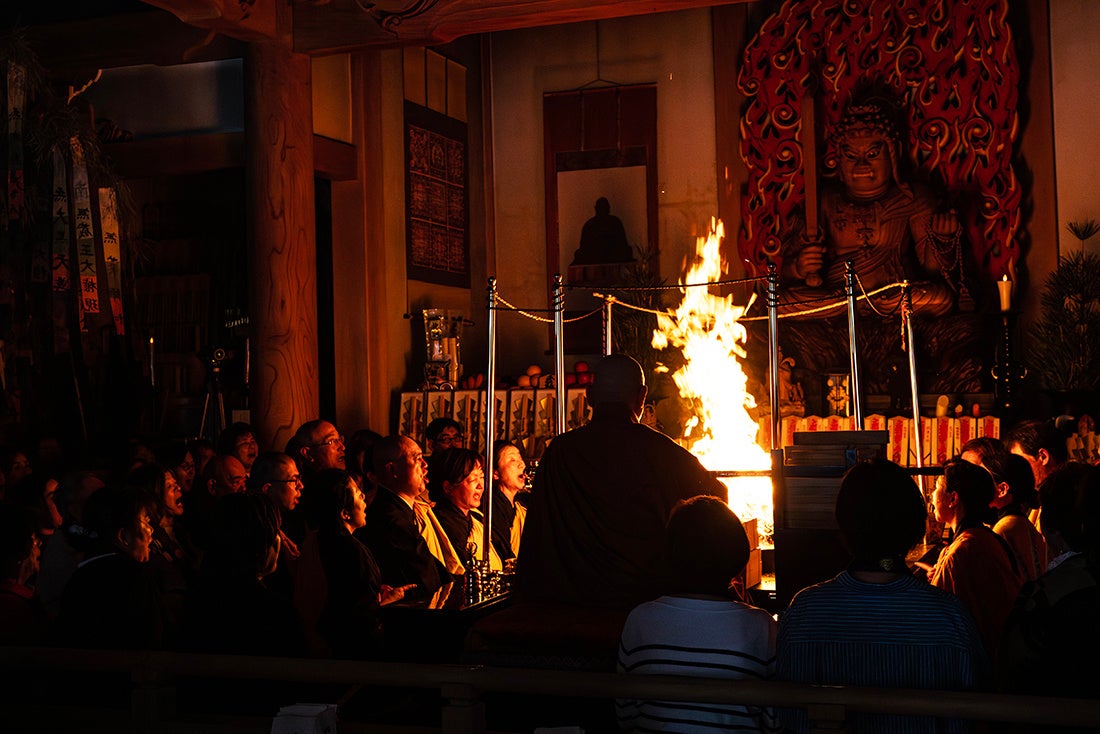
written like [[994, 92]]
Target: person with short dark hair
[[978, 565], [443, 433], [876, 624], [1014, 495], [113, 600], [456, 483], [1040, 442], [239, 440], [317, 446], [698, 628], [176, 456]]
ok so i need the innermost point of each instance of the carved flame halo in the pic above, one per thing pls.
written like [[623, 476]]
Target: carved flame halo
[[721, 433]]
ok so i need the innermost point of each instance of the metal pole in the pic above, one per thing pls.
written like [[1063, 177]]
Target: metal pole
[[911, 345], [853, 347], [773, 353], [559, 352], [607, 306], [490, 416]]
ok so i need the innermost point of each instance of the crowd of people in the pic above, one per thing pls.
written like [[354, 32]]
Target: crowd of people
[[234, 547], [624, 542]]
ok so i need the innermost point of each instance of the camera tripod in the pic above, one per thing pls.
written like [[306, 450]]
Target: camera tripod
[[214, 397]]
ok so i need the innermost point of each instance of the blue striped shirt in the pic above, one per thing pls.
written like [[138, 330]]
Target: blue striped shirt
[[902, 634], [708, 638]]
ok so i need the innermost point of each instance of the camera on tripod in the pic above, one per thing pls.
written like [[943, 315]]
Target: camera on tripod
[[215, 358]]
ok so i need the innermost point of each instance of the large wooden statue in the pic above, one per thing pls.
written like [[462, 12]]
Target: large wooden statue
[[891, 230], [927, 195]]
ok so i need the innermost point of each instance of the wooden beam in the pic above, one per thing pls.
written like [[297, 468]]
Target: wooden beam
[[341, 25], [72, 52], [334, 160]]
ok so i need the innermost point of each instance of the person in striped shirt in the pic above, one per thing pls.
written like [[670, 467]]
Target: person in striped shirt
[[876, 623], [698, 628]]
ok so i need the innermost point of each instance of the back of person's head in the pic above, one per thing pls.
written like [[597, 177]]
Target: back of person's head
[[332, 492], [17, 538], [984, 447], [267, 469], [618, 379], [1033, 435], [388, 450], [172, 453], [975, 488], [75, 488], [451, 466], [242, 535], [880, 512], [35, 492], [359, 449], [1070, 505], [705, 546], [1020, 478], [110, 510], [149, 479], [303, 438]]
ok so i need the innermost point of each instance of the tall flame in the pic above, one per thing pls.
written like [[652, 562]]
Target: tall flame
[[722, 433]]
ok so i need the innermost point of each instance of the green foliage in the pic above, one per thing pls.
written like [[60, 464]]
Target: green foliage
[[1065, 353], [1084, 229]]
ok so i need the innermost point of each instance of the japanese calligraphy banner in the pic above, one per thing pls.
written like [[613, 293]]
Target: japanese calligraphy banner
[[59, 263], [108, 229], [88, 296]]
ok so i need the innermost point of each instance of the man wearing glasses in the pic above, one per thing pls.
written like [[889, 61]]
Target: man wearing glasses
[[442, 434], [317, 446]]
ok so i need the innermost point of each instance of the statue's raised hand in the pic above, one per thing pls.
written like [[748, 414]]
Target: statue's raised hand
[[944, 225], [808, 264]]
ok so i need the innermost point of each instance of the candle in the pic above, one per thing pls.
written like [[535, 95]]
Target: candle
[[1004, 286], [152, 365]]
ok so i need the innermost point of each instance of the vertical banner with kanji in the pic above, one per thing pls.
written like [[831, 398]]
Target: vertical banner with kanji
[[88, 296], [59, 260], [108, 227]]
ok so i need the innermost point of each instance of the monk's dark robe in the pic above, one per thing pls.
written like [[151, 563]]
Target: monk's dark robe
[[595, 530]]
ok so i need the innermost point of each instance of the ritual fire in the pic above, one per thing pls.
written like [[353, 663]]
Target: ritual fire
[[721, 432]]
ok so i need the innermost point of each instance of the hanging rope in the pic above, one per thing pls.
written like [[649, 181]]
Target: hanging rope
[[630, 288], [607, 297], [541, 319]]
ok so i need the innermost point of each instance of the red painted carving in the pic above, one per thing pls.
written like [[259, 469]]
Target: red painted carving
[[953, 64]]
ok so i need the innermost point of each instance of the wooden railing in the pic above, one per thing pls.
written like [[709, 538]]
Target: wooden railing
[[463, 686]]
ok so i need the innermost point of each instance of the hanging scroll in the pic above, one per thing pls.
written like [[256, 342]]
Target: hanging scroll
[[437, 241], [88, 297], [108, 227]]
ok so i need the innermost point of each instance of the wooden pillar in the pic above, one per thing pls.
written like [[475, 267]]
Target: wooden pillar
[[282, 242]]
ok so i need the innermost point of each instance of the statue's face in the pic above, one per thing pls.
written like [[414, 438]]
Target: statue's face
[[865, 164]]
